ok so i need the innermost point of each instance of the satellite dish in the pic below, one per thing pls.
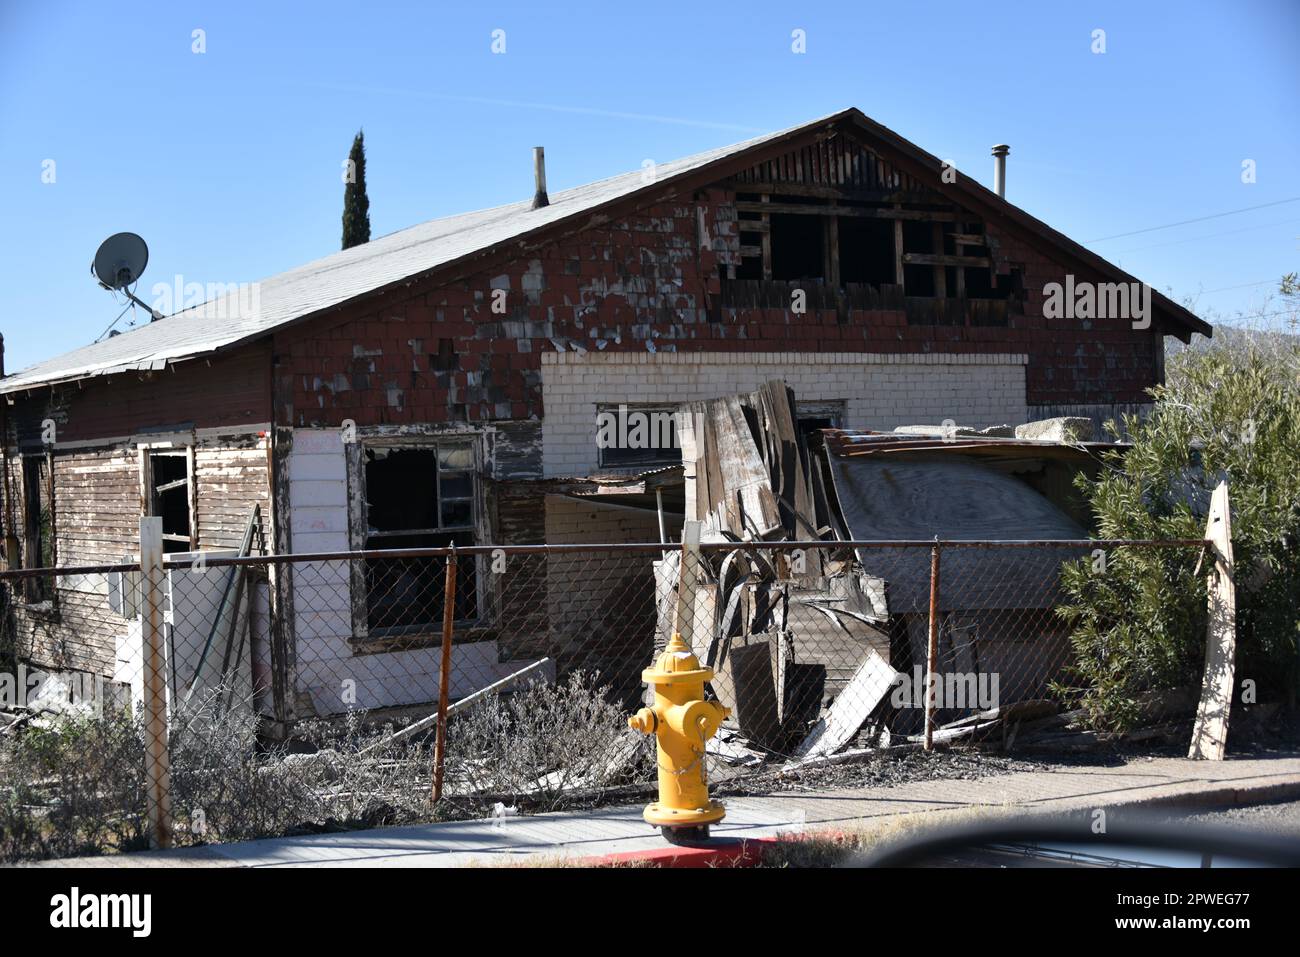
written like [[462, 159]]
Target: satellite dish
[[120, 260], [118, 264]]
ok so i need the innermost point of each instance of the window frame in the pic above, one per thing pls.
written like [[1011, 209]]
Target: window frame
[[406, 636], [669, 456], [149, 494], [38, 533]]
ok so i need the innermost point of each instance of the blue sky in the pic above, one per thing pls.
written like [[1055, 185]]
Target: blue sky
[[228, 162]]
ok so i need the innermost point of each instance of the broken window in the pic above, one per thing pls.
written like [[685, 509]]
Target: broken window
[[418, 497], [630, 435], [38, 524], [814, 414], [169, 498], [866, 247]]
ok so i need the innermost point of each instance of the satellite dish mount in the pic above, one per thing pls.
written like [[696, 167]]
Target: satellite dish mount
[[118, 264]]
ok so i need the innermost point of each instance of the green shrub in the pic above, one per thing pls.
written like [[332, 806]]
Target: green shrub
[[1233, 413]]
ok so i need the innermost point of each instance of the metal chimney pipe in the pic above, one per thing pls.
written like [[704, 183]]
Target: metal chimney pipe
[[1000, 169], [540, 198]]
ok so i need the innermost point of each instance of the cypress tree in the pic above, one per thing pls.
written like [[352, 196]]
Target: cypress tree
[[356, 205]]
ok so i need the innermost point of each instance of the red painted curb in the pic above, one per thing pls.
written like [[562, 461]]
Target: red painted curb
[[746, 852]]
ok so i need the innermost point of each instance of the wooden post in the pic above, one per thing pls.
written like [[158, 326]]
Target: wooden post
[[444, 673], [940, 272], [1210, 733], [766, 240], [684, 614], [898, 253], [153, 634], [932, 654]]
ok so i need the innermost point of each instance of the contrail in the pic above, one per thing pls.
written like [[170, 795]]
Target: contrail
[[552, 107]]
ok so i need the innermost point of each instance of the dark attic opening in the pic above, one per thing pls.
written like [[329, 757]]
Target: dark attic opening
[[866, 250], [797, 251]]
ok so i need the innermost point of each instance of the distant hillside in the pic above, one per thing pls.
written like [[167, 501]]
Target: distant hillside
[[1228, 336]]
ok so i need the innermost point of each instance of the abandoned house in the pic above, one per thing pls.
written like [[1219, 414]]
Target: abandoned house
[[443, 384]]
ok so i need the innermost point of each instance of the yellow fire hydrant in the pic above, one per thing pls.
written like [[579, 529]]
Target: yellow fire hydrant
[[682, 721]]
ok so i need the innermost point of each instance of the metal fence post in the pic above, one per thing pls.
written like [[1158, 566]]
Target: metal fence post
[[444, 673], [932, 654], [157, 759]]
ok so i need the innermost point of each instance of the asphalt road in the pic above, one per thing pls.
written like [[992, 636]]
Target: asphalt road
[[1280, 818]]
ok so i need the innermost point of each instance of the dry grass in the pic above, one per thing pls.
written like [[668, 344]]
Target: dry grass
[[833, 847]]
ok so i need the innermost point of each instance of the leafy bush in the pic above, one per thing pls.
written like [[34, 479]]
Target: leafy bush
[[1139, 622]]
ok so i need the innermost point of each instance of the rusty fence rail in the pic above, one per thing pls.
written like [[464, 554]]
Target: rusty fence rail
[[190, 697]]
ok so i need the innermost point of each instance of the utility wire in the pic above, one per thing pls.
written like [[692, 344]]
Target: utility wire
[[1192, 239], [1198, 219], [1244, 285]]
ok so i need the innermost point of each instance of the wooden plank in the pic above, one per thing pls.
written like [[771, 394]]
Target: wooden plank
[[684, 615], [1210, 733], [884, 212], [898, 252], [745, 683], [930, 259], [833, 248], [865, 691], [847, 193], [940, 274]]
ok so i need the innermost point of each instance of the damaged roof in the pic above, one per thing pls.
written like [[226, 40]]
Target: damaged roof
[[442, 244], [956, 499], [845, 443]]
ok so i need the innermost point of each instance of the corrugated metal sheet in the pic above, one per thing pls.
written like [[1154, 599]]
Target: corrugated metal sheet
[[353, 272], [846, 443], [959, 500]]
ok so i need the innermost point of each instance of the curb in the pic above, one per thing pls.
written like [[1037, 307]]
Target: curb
[[731, 852], [1218, 797], [749, 851]]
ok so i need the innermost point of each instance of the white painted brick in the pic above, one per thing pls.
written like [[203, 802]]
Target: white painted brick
[[880, 391]]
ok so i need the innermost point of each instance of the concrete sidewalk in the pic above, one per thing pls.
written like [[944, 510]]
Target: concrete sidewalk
[[619, 831]]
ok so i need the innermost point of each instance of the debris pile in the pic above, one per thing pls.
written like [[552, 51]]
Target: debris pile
[[811, 645]]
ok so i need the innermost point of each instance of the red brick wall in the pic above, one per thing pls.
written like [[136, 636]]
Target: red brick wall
[[643, 283]]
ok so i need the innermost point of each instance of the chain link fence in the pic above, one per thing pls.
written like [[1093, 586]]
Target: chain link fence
[[189, 698]]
